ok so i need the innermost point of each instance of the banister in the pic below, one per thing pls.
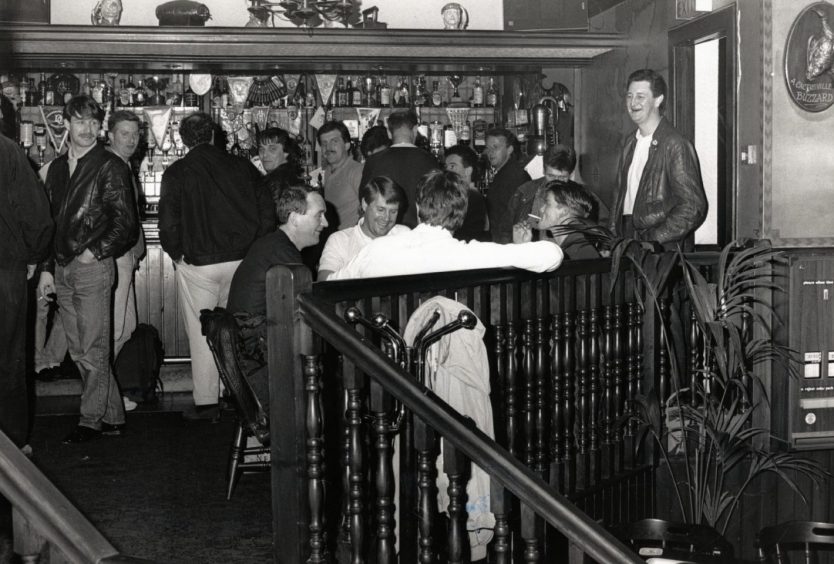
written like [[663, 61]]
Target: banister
[[557, 510], [52, 515]]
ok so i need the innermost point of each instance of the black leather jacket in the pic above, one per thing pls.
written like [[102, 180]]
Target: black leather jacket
[[670, 203], [92, 210]]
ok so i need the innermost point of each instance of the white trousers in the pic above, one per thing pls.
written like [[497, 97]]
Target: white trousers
[[203, 287]]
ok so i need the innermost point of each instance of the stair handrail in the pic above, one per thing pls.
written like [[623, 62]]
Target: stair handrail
[[582, 531]]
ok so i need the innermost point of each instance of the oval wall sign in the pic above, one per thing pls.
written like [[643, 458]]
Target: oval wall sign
[[809, 54]]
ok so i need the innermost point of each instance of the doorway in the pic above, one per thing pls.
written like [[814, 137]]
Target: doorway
[[703, 89]]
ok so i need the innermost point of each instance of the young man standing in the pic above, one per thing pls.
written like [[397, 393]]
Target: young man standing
[[95, 217]]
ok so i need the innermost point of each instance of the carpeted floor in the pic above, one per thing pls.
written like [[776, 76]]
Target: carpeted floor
[[159, 492]]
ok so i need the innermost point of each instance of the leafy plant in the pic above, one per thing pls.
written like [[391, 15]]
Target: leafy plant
[[709, 422]]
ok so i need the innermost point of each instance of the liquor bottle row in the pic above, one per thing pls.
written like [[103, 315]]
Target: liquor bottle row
[[280, 91]]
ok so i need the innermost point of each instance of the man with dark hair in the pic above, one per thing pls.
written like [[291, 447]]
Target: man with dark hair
[[508, 175], [92, 204], [464, 161], [430, 247], [559, 163], [382, 199], [280, 157], [342, 174], [565, 213], [376, 139], [212, 207], [659, 195], [403, 162], [25, 233], [300, 223]]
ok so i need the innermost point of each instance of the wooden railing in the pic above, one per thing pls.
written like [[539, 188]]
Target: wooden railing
[[566, 356], [47, 527]]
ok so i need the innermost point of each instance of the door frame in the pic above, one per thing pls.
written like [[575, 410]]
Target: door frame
[[682, 41]]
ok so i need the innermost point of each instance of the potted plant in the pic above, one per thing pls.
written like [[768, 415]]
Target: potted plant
[[707, 434]]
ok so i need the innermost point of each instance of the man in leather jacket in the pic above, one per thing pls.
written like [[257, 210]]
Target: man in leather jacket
[[659, 195], [95, 220]]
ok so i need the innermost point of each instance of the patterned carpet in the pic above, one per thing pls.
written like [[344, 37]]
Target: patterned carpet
[[159, 492]]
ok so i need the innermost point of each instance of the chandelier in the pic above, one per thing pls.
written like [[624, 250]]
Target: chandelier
[[308, 13]]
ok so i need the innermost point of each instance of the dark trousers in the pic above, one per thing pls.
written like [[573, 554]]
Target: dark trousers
[[14, 408]]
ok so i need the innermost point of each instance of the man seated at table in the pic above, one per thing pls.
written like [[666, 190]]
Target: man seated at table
[[564, 216], [300, 223], [430, 247], [382, 199]]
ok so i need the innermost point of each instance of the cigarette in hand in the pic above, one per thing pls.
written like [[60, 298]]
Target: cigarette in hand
[[537, 218]]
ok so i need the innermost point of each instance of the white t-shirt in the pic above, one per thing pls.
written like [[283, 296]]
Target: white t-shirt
[[635, 171], [345, 244]]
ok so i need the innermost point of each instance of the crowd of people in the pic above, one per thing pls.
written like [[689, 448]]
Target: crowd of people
[[224, 223]]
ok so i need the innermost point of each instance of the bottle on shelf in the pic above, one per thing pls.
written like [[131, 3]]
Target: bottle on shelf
[[131, 90], [420, 92], [477, 93], [86, 86], [23, 90], [173, 94], [190, 98], [46, 95], [436, 96], [356, 93], [450, 138], [32, 93], [385, 99], [479, 129], [492, 94], [140, 97], [108, 98], [236, 150], [465, 138], [370, 98], [402, 96], [125, 98], [97, 90], [436, 138], [341, 93]]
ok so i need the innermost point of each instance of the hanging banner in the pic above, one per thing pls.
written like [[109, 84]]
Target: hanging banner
[[367, 119], [239, 89], [158, 118], [325, 83], [56, 130]]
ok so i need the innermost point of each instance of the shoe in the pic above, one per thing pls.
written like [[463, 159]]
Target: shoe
[[209, 412], [81, 435], [113, 429], [130, 405]]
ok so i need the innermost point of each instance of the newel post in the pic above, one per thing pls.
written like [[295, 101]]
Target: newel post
[[288, 339]]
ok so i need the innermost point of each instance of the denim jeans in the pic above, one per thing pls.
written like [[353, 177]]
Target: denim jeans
[[84, 297], [14, 420], [50, 348]]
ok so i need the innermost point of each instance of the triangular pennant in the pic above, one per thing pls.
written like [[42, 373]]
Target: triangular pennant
[[367, 119], [325, 83], [159, 117], [55, 128]]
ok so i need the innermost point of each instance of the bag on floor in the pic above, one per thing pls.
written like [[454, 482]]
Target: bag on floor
[[137, 366]]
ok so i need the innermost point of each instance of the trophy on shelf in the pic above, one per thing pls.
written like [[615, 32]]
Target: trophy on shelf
[[455, 80]]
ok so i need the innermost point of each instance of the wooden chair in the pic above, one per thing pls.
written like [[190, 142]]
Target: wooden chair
[[221, 332], [656, 538], [809, 537]]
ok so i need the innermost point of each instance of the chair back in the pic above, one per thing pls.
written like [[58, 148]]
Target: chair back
[[666, 539], [811, 537], [221, 332]]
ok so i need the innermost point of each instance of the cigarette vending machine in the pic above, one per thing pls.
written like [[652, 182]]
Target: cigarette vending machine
[[810, 408]]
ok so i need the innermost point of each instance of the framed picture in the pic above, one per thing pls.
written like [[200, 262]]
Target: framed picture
[[24, 11]]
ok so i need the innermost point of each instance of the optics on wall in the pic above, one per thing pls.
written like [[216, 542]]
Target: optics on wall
[[308, 13]]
